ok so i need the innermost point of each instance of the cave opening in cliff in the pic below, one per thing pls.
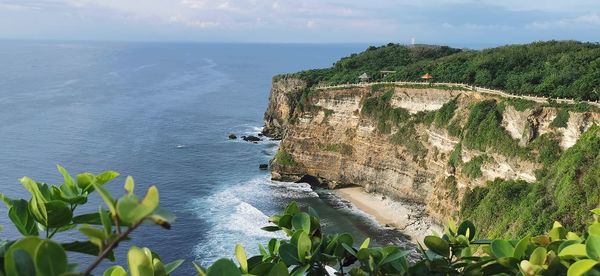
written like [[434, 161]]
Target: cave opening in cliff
[[307, 178]]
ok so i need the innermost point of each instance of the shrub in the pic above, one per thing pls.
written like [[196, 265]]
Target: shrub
[[311, 251], [54, 208], [445, 113], [284, 158], [473, 168], [561, 119], [483, 131]]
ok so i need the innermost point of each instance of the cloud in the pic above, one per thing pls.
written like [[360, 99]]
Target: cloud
[[586, 21]]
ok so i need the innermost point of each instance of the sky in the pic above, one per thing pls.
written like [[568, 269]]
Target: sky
[[452, 22]]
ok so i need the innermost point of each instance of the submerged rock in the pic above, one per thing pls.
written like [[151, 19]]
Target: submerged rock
[[263, 166], [232, 136]]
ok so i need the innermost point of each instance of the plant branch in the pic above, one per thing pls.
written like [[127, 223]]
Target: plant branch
[[109, 248]]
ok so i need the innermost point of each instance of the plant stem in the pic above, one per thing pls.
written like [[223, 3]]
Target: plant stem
[[53, 232], [109, 248]]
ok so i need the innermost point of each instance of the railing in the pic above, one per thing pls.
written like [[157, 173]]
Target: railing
[[465, 86]]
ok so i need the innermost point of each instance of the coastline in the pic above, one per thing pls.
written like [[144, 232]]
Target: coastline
[[407, 218]]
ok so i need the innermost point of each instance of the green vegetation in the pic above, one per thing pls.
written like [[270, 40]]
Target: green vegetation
[[548, 147], [54, 209], [561, 120], [555, 69], [445, 113], [569, 188], [309, 251], [483, 131], [455, 157], [473, 168], [344, 149], [379, 108], [283, 158], [521, 104]]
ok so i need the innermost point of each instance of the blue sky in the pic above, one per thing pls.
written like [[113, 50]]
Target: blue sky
[[454, 22]]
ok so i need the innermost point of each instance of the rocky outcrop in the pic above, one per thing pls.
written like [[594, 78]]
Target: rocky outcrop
[[335, 144], [282, 102]]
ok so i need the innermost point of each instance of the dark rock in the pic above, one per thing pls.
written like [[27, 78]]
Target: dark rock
[[263, 166], [232, 136], [260, 135], [251, 138]]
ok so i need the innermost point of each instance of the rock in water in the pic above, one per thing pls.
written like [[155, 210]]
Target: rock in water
[[232, 136], [251, 138], [263, 166]]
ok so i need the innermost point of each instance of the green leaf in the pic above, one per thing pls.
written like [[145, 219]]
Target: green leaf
[[59, 214], [50, 259], [575, 250], [68, 180], [538, 257], [139, 262], [24, 264], [22, 218], [289, 254], [86, 247], [129, 185], [304, 245], [240, 255], [96, 236], [594, 229], [116, 270], [301, 221], [292, 209], [521, 247], [170, 267], [201, 270], [580, 267], [279, 269], [106, 221], [162, 217], [19, 255], [36, 205], [502, 248], [271, 228], [108, 199], [223, 267], [300, 270], [365, 243], [467, 229], [592, 246], [132, 211], [85, 180], [106, 176], [437, 245]]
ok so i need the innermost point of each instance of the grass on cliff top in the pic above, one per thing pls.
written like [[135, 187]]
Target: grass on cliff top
[[569, 190]]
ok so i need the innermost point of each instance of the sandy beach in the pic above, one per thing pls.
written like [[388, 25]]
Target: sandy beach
[[408, 218]]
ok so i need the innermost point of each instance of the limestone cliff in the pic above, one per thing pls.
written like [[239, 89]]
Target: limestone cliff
[[420, 143]]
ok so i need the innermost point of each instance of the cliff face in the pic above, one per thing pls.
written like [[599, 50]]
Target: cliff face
[[331, 139]]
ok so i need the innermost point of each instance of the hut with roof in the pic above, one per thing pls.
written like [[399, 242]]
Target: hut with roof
[[364, 77], [427, 77]]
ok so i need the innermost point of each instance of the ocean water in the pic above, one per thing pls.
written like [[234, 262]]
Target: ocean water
[[161, 112]]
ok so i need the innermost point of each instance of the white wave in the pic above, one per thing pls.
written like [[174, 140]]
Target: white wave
[[233, 217]]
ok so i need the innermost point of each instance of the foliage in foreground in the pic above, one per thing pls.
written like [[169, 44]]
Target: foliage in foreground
[[52, 210], [310, 251]]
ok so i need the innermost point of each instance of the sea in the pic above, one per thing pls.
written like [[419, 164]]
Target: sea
[[162, 113]]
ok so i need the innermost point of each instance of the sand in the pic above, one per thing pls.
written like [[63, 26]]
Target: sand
[[408, 218]]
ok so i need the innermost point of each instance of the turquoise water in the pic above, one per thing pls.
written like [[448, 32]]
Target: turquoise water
[[161, 113]]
